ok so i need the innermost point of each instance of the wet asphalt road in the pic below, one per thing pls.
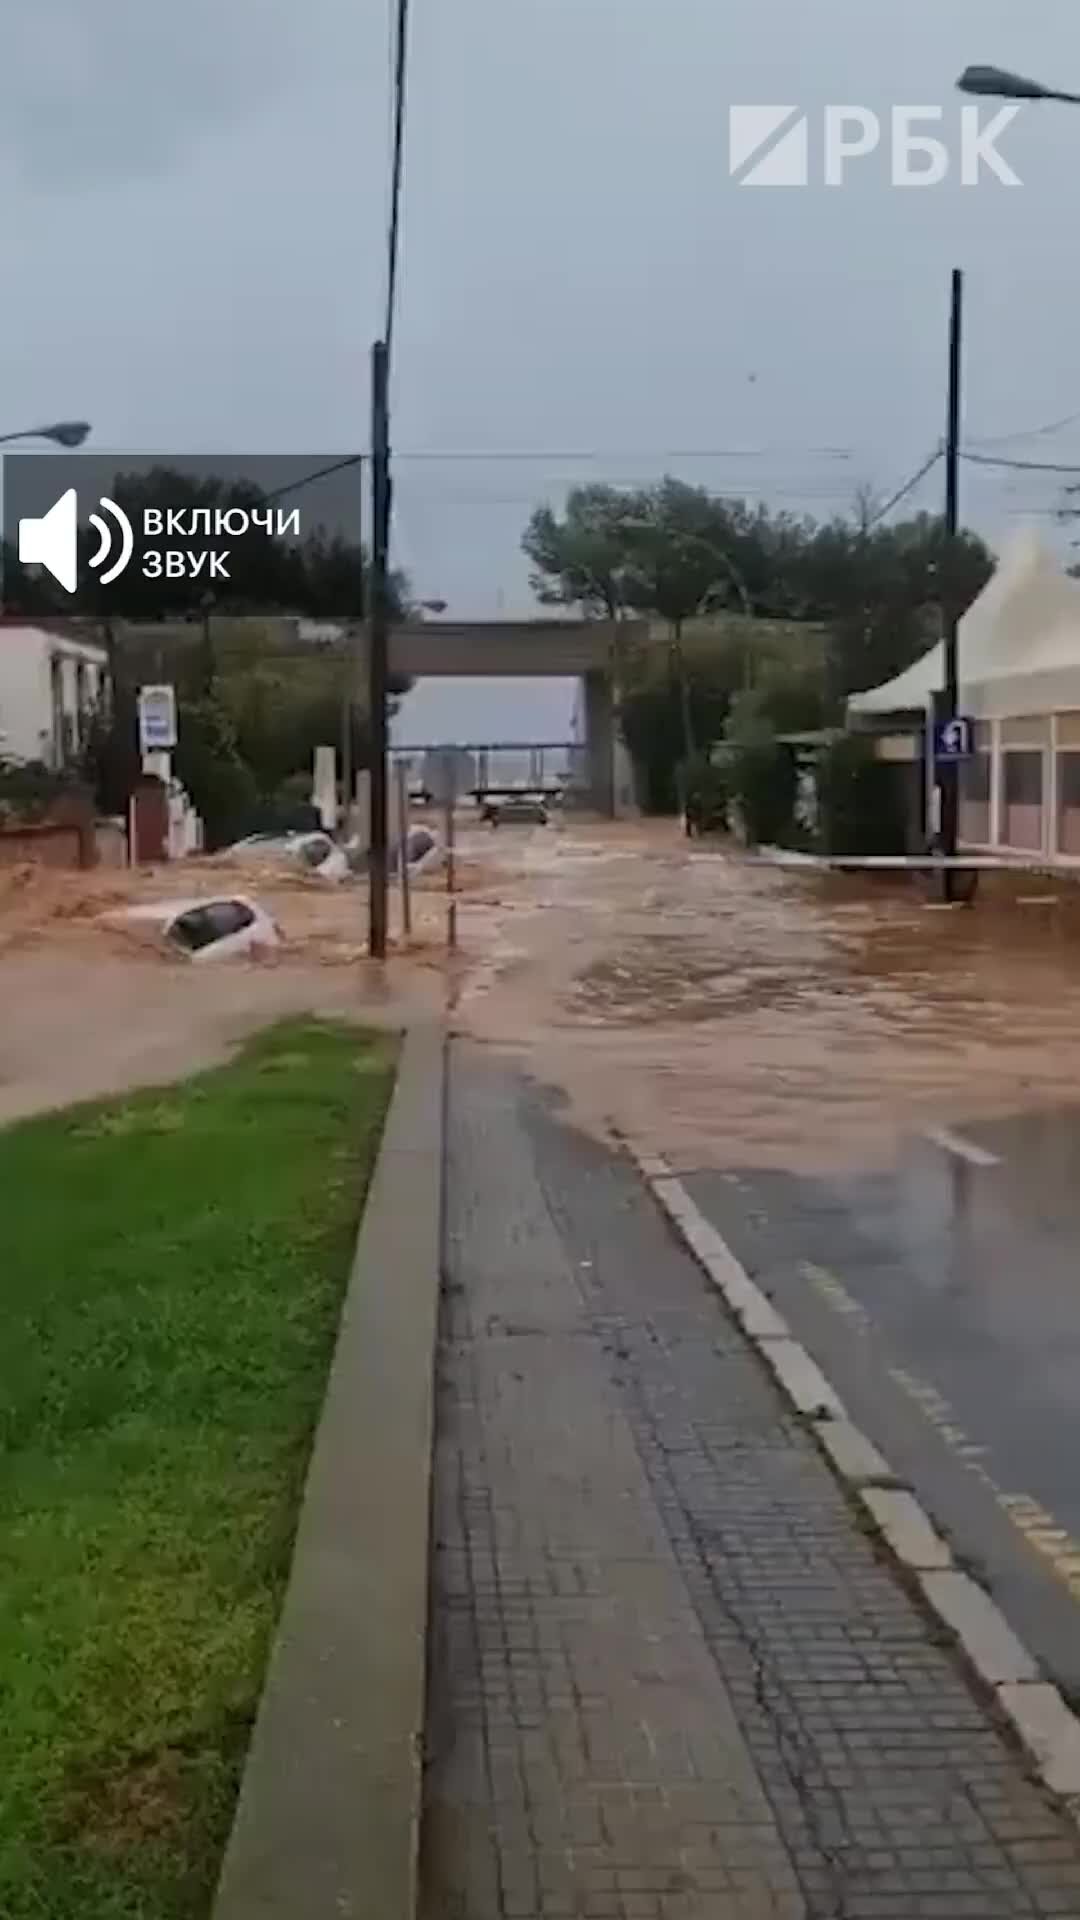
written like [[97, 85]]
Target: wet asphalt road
[[943, 1299]]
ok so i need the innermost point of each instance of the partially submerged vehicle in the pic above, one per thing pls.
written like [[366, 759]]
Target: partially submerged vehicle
[[217, 928], [317, 852]]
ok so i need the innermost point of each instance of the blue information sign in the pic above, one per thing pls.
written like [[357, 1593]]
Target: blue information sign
[[954, 739]]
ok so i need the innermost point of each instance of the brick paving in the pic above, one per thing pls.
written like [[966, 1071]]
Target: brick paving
[[670, 1675]]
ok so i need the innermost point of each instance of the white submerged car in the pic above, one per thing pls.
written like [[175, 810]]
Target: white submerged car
[[315, 851], [218, 928]]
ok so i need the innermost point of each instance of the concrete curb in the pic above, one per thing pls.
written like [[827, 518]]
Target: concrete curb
[[327, 1824], [1045, 1726]]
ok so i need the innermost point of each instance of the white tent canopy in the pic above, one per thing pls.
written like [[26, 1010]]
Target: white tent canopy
[[1018, 646]]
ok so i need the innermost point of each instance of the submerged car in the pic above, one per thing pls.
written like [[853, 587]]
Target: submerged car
[[317, 852], [208, 929]]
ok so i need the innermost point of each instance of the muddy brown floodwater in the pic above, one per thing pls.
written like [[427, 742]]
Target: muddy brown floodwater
[[722, 1010], [89, 1006], [727, 1011]]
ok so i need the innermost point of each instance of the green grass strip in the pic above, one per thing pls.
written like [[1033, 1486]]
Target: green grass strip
[[172, 1268]]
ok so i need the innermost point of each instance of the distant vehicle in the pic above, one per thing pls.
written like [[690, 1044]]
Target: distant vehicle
[[526, 809]]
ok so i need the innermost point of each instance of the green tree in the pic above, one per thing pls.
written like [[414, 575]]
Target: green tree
[[207, 760], [281, 713], [652, 716], [665, 550], [787, 697], [580, 560], [884, 593], [673, 552]]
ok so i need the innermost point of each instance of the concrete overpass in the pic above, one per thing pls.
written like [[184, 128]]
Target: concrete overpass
[[586, 650]]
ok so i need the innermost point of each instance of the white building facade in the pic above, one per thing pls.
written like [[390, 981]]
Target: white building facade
[[51, 684], [1019, 672]]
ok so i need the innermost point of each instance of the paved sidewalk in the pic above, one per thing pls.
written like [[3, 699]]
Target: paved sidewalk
[[670, 1676]]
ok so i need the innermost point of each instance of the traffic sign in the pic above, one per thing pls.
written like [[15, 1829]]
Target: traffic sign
[[157, 719], [954, 739]]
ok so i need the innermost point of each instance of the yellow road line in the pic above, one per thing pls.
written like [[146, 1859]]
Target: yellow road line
[[1035, 1523]]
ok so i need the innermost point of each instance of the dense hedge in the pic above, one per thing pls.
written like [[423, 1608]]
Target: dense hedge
[[860, 800]]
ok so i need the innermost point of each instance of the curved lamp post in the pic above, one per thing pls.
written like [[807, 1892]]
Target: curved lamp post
[[65, 433], [997, 83]]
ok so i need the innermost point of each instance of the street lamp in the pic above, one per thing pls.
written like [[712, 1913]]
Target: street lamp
[[996, 83], [66, 433]]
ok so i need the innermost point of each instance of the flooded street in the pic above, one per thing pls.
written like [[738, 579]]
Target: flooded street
[[875, 1102], [721, 1007], [104, 1006]]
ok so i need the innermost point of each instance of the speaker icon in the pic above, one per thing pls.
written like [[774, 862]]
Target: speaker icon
[[52, 541]]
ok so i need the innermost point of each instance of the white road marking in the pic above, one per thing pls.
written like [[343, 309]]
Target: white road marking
[[950, 1142], [1048, 1730]]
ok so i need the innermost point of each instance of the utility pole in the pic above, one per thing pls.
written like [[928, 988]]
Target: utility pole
[[378, 648], [949, 772], [354, 675]]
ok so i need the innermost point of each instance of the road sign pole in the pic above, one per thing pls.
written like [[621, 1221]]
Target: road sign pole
[[401, 777], [451, 867], [378, 641], [949, 773]]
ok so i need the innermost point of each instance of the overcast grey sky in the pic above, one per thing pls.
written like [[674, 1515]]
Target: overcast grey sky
[[195, 199]]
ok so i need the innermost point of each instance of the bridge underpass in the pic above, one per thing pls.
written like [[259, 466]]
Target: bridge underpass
[[585, 650], [554, 768]]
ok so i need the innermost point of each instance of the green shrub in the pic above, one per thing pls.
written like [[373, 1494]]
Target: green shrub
[[763, 785], [860, 801], [28, 788], [220, 783]]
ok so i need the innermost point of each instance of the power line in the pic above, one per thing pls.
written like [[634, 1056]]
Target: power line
[[571, 456], [908, 487], [1030, 433], [1020, 466], [321, 473], [557, 455], [811, 504]]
